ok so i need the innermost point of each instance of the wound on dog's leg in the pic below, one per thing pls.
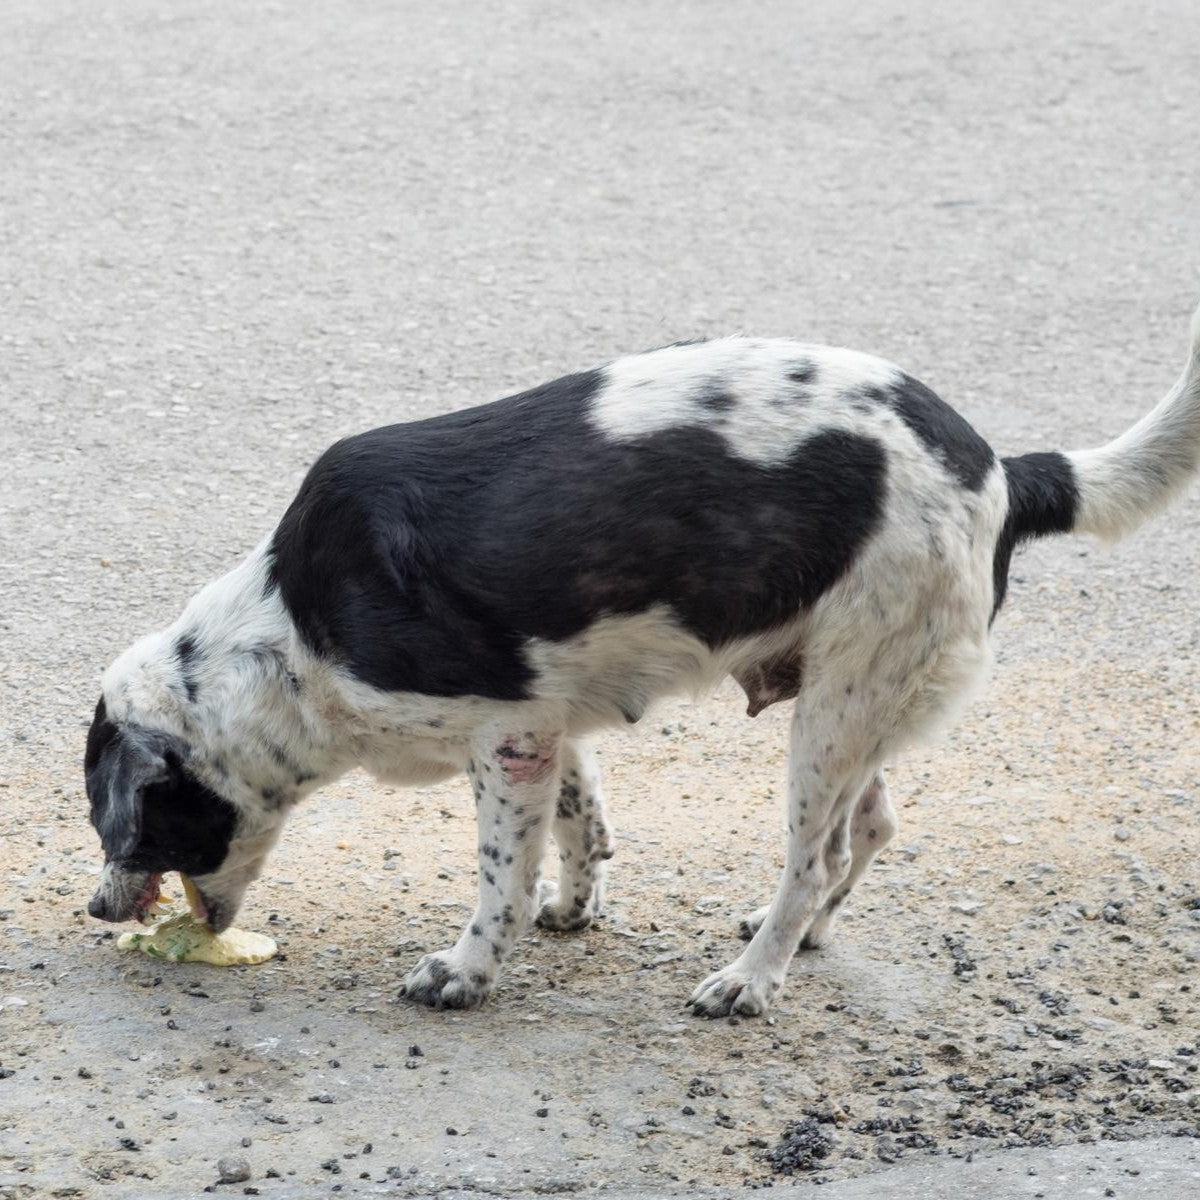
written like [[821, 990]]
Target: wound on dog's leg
[[526, 759]]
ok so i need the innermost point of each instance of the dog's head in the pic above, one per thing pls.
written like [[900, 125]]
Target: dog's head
[[153, 815]]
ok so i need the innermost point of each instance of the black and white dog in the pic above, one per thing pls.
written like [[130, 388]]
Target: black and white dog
[[480, 591]]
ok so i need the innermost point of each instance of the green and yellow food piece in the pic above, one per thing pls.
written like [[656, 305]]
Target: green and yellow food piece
[[176, 936]]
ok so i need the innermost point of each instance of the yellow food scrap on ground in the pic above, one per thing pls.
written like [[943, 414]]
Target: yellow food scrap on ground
[[179, 937]]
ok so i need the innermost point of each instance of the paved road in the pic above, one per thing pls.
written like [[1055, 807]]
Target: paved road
[[1154, 1169], [232, 231]]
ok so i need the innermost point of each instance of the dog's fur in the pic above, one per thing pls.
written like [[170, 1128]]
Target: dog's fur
[[480, 591]]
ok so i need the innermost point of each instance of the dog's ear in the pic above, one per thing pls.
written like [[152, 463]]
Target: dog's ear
[[119, 764]]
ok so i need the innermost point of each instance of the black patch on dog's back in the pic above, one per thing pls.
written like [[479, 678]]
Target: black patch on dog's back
[[1042, 498], [717, 399], [942, 430], [424, 556], [802, 378]]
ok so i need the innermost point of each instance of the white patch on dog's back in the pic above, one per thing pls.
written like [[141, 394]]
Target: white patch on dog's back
[[762, 396]]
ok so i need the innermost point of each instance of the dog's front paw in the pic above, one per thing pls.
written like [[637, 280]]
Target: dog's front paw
[[441, 981], [563, 913], [733, 989]]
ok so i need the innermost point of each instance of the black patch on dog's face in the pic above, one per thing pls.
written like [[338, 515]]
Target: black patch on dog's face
[[150, 813], [943, 431], [423, 557]]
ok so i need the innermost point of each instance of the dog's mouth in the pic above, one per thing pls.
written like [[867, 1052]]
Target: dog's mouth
[[148, 898], [150, 904]]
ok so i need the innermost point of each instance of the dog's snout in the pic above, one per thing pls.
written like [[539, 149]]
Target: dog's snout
[[98, 907]]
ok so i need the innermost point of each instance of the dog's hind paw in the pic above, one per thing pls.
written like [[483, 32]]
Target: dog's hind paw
[[733, 990], [440, 981], [569, 913], [748, 926]]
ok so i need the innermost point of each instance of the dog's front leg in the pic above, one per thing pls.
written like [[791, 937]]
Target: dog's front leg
[[585, 845], [516, 781]]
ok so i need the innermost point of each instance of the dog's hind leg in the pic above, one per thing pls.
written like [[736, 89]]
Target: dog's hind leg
[[516, 781], [872, 826], [584, 842], [835, 752]]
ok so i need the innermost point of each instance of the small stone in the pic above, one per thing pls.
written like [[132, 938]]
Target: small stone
[[1121, 834], [233, 1168]]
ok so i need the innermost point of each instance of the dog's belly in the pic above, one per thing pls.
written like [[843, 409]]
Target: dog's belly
[[416, 767], [613, 671]]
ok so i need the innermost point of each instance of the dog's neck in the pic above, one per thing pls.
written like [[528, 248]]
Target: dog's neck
[[232, 679]]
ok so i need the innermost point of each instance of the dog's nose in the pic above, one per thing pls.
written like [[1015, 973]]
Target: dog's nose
[[97, 907]]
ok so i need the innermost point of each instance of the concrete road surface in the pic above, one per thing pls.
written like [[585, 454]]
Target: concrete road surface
[[232, 231]]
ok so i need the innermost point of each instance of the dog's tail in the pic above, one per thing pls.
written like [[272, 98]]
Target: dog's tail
[[1111, 490]]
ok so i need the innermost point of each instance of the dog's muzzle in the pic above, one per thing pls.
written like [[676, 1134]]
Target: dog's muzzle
[[124, 894]]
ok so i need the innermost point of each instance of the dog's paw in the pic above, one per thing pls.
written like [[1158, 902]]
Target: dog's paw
[[749, 926], [565, 914], [441, 981], [817, 937], [733, 990]]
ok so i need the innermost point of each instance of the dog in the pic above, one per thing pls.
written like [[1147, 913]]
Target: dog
[[480, 591]]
